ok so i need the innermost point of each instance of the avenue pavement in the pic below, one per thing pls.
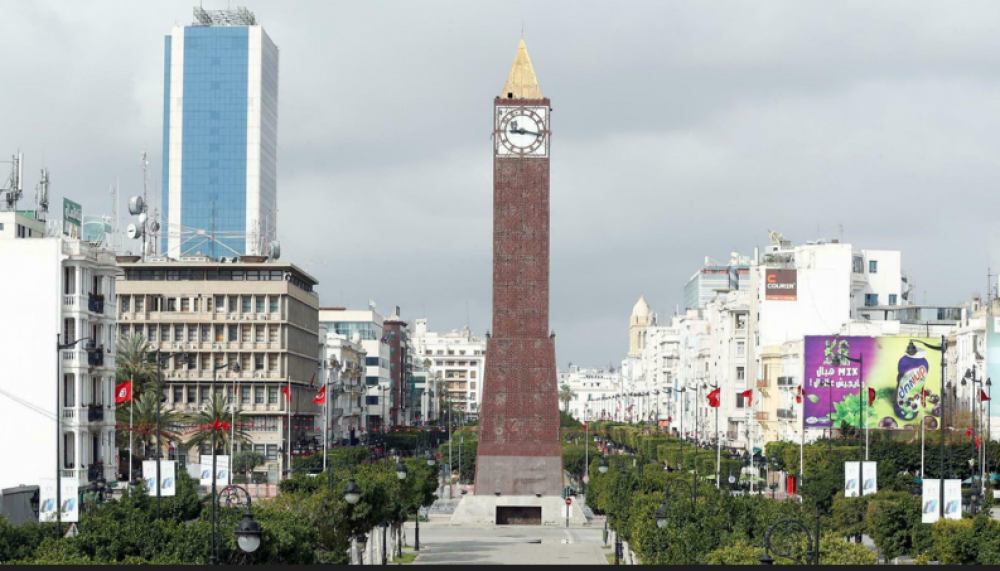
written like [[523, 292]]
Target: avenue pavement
[[444, 544]]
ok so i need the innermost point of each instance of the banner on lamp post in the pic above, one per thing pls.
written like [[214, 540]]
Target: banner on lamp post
[[953, 499], [930, 510], [853, 484], [221, 470], [168, 477], [70, 500]]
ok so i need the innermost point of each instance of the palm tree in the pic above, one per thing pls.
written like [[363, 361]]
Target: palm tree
[[133, 362], [216, 417], [566, 394], [144, 426]]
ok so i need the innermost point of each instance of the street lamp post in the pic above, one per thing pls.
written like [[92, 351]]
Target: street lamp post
[[59, 347], [862, 404], [352, 495], [942, 348], [248, 533], [161, 361], [789, 537], [970, 376], [214, 560]]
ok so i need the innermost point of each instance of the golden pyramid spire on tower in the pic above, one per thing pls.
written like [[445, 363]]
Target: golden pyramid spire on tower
[[521, 83]]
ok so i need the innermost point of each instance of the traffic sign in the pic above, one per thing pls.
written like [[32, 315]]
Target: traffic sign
[[569, 501]]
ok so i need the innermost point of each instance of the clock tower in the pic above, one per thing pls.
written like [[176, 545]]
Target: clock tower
[[519, 445]]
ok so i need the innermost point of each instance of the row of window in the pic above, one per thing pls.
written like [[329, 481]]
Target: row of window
[[460, 352], [218, 303], [871, 299], [456, 364], [204, 275], [205, 333], [202, 394]]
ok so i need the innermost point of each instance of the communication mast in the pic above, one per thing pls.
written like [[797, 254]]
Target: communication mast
[[14, 186], [42, 196]]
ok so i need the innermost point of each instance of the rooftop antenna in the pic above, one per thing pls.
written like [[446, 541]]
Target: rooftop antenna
[[42, 196], [15, 183]]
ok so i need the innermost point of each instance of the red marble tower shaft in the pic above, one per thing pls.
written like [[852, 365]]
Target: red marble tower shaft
[[519, 445]]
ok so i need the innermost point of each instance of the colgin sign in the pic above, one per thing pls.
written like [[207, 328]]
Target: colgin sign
[[781, 285]]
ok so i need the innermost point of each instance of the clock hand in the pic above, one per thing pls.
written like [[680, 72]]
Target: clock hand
[[523, 132]]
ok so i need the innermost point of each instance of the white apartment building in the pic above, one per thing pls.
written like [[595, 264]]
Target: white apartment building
[[368, 324], [595, 390], [459, 358], [343, 362], [56, 290]]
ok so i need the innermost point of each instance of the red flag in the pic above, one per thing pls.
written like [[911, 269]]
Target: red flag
[[969, 432], [288, 393], [320, 397], [313, 379], [219, 425], [978, 442], [748, 394], [798, 394], [871, 396], [123, 392], [713, 398], [982, 396]]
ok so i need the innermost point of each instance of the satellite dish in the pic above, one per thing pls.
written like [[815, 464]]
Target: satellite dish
[[133, 232], [143, 218], [274, 250], [154, 227], [136, 205]]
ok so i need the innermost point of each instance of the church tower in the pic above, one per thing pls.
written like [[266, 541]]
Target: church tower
[[519, 446], [637, 328]]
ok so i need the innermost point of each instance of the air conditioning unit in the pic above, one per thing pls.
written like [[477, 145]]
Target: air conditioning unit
[[248, 316], [216, 346], [258, 375], [193, 346], [175, 345], [262, 316]]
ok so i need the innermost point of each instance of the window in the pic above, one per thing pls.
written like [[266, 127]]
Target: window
[[260, 334], [258, 395], [233, 333], [220, 303], [69, 389], [178, 332], [197, 304], [219, 333], [472, 375], [892, 299], [274, 303], [204, 394], [371, 361], [191, 397], [185, 304], [233, 303], [152, 332], [171, 304], [258, 303], [125, 303], [140, 304], [178, 395], [272, 362], [872, 266], [272, 395], [192, 333], [858, 265], [741, 348], [208, 304], [371, 381], [741, 373], [272, 452], [740, 401], [741, 321], [245, 395], [258, 362], [164, 333], [246, 304], [206, 333], [871, 299], [273, 333], [245, 334]]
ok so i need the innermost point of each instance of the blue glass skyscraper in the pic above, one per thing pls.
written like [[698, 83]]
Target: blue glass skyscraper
[[220, 131]]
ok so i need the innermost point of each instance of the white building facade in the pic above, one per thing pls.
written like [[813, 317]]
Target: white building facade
[[56, 290], [459, 359]]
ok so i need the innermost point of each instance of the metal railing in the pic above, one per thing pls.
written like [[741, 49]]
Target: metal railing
[[786, 413]]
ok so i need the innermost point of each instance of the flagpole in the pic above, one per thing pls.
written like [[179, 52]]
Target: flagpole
[[326, 412], [131, 431], [289, 405], [232, 434], [923, 424], [718, 450]]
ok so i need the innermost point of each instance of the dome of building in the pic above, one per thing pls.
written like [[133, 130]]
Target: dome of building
[[641, 308]]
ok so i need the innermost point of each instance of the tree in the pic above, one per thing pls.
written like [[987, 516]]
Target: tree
[[143, 423], [246, 460], [216, 418], [132, 361], [566, 394]]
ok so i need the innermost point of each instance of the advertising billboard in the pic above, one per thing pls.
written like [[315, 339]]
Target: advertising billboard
[[781, 285], [894, 368], [72, 215], [993, 368]]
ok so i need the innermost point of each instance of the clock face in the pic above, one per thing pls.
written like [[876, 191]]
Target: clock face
[[522, 131]]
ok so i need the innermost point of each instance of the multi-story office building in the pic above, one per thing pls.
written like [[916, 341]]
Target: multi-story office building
[[220, 135], [717, 277], [458, 358], [400, 369], [55, 289], [261, 315], [366, 326]]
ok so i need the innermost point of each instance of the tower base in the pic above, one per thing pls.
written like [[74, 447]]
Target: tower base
[[516, 510]]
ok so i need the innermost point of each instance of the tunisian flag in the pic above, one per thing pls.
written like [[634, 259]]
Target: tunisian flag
[[713, 398], [320, 397], [982, 396], [748, 394], [123, 392], [288, 393], [871, 396]]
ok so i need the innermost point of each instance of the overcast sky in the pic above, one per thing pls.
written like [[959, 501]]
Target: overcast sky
[[681, 129]]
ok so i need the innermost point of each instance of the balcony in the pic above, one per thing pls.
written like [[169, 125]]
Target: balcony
[[786, 413], [94, 472], [762, 384], [786, 381], [95, 413], [96, 359], [95, 303], [762, 415]]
